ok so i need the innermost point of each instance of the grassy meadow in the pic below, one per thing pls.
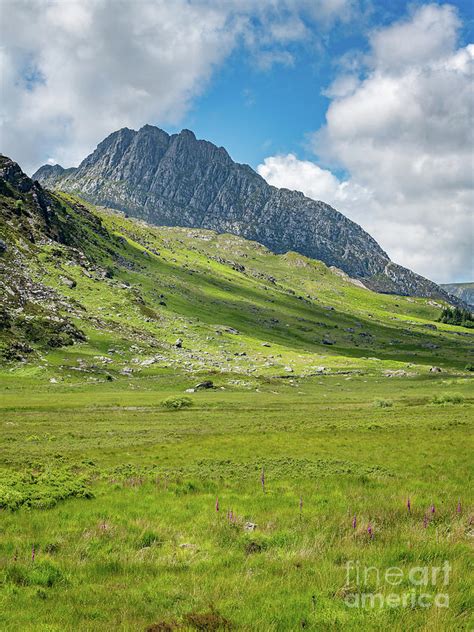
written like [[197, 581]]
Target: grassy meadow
[[116, 502]]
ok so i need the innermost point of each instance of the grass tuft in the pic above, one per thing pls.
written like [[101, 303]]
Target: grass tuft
[[448, 398], [382, 403], [177, 403]]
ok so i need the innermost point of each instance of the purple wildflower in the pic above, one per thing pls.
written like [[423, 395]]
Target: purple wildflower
[[459, 508], [370, 531], [409, 504], [433, 510], [354, 521]]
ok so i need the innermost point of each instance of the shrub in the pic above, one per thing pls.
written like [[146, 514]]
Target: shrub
[[448, 398], [469, 367], [176, 403], [383, 403]]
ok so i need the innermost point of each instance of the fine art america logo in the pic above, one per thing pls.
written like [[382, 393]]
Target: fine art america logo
[[423, 586]]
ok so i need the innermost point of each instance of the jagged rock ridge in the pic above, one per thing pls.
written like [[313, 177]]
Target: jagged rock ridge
[[463, 291], [177, 180]]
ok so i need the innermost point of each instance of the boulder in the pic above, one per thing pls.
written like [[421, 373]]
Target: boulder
[[250, 526], [204, 385]]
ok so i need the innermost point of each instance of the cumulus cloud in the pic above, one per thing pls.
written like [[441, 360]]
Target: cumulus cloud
[[404, 133], [287, 171], [72, 72], [98, 65]]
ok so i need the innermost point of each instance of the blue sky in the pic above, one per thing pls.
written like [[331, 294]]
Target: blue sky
[[253, 112], [365, 104]]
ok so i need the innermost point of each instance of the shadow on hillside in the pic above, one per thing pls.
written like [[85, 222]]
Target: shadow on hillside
[[279, 317]]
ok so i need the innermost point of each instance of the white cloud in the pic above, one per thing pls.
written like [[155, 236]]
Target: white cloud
[[342, 86], [404, 133], [104, 64], [267, 59], [302, 175], [287, 171], [429, 34], [73, 71]]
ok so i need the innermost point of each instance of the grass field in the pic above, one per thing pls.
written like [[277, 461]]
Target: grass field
[[137, 540]]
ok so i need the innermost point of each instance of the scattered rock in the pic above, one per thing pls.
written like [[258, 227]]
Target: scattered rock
[[250, 526], [328, 341], [435, 369], [204, 385], [178, 344], [68, 282], [398, 373], [148, 362]]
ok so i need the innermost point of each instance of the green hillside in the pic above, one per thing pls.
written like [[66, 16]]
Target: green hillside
[[135, 289]]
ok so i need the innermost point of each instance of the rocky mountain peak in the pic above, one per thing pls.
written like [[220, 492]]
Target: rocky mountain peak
[[11, 172], [178, 180]]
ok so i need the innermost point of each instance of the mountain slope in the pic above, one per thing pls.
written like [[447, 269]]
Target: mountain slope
[[88, 291], [463, 291], [180, 181]]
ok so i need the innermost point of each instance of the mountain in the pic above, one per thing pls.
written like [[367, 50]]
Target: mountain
[[86, 291], [178, 180], [463, 291]]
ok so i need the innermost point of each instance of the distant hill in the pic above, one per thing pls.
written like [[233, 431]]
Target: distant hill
[[178, 180], [464, 291]]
